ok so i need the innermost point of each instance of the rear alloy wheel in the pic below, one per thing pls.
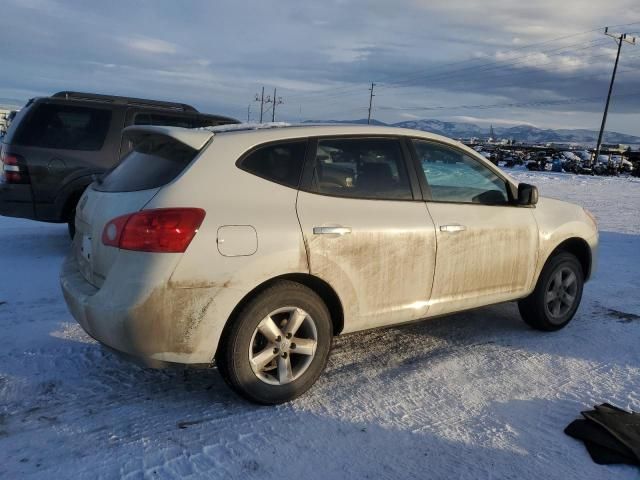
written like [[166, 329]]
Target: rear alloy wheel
[[278, 345], [557, 295], [281, 355]]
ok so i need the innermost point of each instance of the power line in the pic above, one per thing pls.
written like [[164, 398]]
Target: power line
[[487, 66], [444, 107], [514, 70], [488, 106], [508, 69], [348, 89], [324, 103], [509, 105], [493, 65], [514, 65]]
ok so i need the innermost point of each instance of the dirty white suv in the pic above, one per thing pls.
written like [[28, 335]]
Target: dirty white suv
[[250, 248]]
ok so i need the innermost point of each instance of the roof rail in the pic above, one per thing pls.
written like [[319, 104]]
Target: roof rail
[[137, 102]]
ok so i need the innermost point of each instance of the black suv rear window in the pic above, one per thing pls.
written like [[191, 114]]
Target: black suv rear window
[[64, 127], [153, 161], [160, 119], [190, 121]]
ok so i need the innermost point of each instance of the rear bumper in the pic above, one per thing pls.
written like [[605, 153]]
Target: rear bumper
[[16, 200], [152, 323]]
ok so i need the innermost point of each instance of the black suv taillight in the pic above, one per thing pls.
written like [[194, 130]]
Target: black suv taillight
[[13, 168]]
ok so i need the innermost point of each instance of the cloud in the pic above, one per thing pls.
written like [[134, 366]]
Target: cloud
[[492, 121], [150, 45], [322, 56]]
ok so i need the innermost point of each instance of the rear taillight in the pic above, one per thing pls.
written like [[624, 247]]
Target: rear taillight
[[13, 169], [167, 230]]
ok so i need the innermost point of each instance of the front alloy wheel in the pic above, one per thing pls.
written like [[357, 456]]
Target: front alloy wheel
[[561, 293], [557, 295]]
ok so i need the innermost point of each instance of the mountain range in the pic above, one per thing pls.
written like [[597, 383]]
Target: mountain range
[[519, 133]]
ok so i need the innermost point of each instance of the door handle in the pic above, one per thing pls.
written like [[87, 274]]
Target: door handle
[[453, 228], [331, 230]]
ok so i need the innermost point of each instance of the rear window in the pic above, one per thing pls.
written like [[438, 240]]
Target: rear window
[[153, 161], [185, 121], [160, 119], [64, 127]]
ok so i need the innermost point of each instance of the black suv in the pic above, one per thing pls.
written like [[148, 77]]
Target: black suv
[[57, 145]]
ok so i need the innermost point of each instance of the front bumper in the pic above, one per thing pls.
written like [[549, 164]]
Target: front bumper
[[153, 323]]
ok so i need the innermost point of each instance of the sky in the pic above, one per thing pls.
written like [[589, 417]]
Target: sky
[[544, 63]]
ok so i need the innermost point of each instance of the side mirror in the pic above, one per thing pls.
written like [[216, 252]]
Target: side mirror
[[527, 194]]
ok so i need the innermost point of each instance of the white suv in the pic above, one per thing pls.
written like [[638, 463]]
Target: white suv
[[253, 247]]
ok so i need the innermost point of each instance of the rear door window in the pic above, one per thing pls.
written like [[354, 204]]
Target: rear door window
[[65, 127], [152, 162], [361, 168]]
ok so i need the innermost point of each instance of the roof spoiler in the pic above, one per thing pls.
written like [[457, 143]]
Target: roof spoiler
[[195, 139], [135, 102]]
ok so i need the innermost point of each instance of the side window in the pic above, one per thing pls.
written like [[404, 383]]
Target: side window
[[65, 127], [454, 176], [280, 162], [361, 168]]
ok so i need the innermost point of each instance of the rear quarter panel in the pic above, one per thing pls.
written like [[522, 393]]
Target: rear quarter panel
[[230, 196]]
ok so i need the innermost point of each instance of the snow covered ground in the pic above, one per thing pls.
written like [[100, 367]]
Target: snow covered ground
[[475, 395]]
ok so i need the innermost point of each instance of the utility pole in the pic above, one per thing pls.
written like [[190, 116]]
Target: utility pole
[[248, 113], [260, 98], [371, 95], [619, 38], [276, 101], [264, 100]]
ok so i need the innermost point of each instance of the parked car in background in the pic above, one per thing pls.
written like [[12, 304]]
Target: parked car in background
[[578, 166], [5, 120], [57, 145], [10, 116], [253, 248], [626, 166]]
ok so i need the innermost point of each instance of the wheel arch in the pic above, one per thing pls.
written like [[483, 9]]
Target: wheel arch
[[319, 286], [69, 195], [580, 249], [71, 202]]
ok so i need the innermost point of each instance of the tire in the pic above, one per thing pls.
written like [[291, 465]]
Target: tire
[[553, 303], [70, 216], [250, 333], [71, 227]]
